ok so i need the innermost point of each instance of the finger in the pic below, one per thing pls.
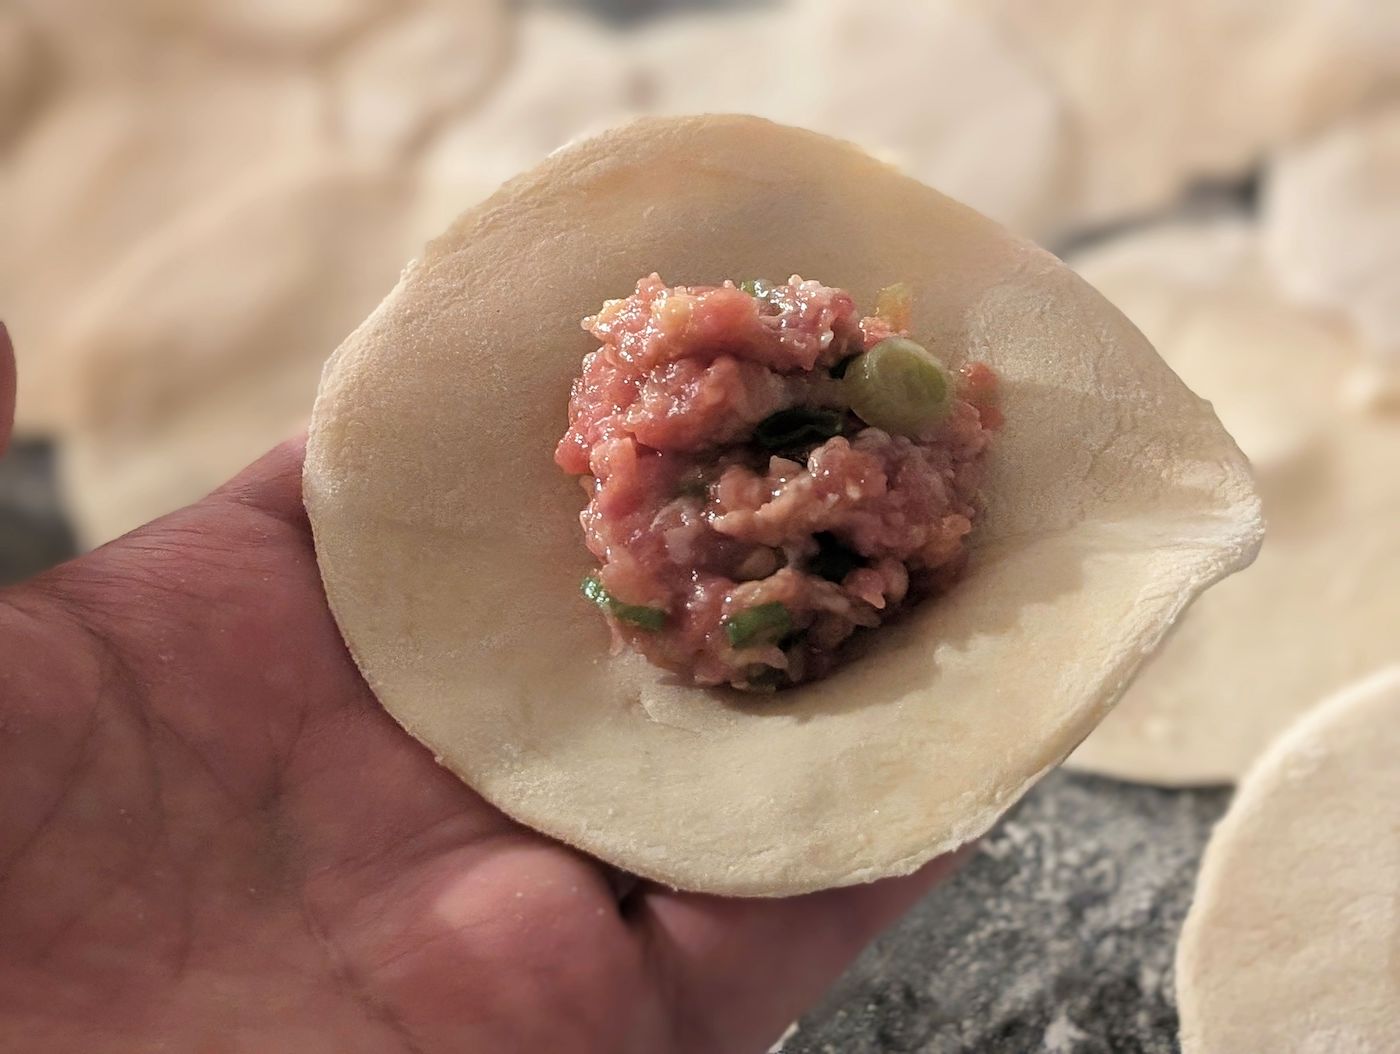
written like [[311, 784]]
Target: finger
[[272, 484], [739, 970], [7, 388]]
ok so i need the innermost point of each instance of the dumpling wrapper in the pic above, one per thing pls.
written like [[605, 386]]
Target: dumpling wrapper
[[451, 552], [23, 71], [302, 29], [305, 27], [393, 87], [1162, 93], [936, 89], [106, 165], [540, 101], [205, 347], [1290, 944], [1331, 216], [1320, 607]]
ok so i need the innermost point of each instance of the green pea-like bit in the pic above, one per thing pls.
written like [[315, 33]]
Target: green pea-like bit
[[899, 387]]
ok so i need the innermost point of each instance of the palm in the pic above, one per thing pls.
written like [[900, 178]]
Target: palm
[[214, 839]]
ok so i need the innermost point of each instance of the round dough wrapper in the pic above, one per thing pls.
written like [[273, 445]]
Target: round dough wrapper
[[1164, 92], [303, 26], [932, 88], [204, 349], [392, 88], [566, 76], [1320, 606], [89, 40], [106, 166], [953, 100], [22, 70], [293, 27], [451, 552], [1332, 228], [1272, 71], [1290, 944]]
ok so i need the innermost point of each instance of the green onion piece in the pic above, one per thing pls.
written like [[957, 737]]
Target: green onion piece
[[756, 287], [634, 614], [834, 561], [797, 426], [637, 615], [594, 591], [899, 387], [764, 624]]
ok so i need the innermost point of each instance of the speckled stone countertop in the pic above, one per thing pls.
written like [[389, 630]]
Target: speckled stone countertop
[[1057, 936]]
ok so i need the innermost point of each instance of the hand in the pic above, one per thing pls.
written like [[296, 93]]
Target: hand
[[213, 839]]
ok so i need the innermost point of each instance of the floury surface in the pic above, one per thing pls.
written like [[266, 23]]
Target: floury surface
[[1058, 935]]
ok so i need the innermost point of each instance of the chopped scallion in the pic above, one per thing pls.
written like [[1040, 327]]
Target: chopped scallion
[[639, 615], [764, 624]]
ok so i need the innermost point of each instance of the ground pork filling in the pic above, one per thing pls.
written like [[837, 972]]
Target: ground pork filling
[[768, 472]]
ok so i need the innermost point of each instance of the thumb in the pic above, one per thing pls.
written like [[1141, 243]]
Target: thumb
[[7, 388]]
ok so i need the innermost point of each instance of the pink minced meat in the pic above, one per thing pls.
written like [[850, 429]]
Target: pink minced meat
[[695, 523]]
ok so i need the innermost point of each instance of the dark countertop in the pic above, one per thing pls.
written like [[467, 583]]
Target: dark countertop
[[1057, 936], [33, 531]]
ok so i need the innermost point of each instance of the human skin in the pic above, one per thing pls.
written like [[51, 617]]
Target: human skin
[[212, 839]]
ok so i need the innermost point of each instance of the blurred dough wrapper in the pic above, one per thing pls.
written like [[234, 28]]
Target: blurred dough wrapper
[[22, 71], [1165, 92], [1332, 234], [1320, 606], [932, 88], [105, 167], [567, 77], [205, 348], [394, 87], [1291, 941], [278, 28], [157, 108]]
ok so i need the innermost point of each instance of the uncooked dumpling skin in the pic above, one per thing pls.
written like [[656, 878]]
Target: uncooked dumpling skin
[[393, 87], [1291, 941], [935, 89], [452, 556], [1162, 93], [1331, 230], [297, 27], [106, 166], [539, 102], [1320, 606], [23, 70], [204, 349]]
